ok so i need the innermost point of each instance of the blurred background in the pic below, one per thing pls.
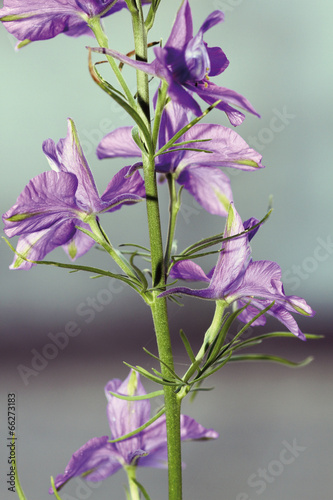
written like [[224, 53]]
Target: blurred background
[[280, 57]]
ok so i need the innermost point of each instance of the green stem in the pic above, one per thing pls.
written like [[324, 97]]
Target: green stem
[[158, 305], [133, 488], [102, 40]]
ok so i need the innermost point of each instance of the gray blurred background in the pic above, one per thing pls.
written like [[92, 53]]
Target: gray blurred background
[[280, 58]]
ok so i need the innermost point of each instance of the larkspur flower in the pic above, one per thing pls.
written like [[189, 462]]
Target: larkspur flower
[[186, 63], [99, 459], [197, 171], [43, 19], [54, 202], [236, 278]]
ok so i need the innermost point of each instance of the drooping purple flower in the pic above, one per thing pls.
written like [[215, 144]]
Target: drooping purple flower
[[44, 19], [186, 63], [54, 202], [236, 278], [197, 171], [99, 459]]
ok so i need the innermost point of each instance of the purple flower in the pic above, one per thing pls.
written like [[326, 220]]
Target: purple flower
[[237, 278], [99, 459], [186, 63], [54, 202], [198, 172], [44, 19]]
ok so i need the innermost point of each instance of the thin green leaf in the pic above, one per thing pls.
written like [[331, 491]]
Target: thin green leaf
[[184, 149], [186, 128], [187, 346], [173, 373], [215, 369], [136, 246], [216, 346], [268, 357], [124, 104], [54, 489], [139, 429], [141, 488], [138, 398], [260, 313], [248, 342], [150, 376], [218, 238]]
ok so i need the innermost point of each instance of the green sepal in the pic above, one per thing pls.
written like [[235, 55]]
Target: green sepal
[[120, 99], [23, 43], [250, 163], [139, 429], [19, 217], [138, 398], [186, 128], [141, 488], [54, 489], [269, 357]]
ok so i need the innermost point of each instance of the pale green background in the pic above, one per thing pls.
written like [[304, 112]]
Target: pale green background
[[280, 56]]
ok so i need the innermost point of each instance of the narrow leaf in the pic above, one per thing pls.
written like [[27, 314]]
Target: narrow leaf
[[268, 357], [141, 488], [173, 373], [186, 128], [187, 346], [150, 376], [124, 104], [139, 429], [54, 489], [137, 398]]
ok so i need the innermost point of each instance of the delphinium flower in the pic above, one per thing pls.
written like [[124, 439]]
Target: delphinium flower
[[52, 204], [236, 278], [186, 63], [43, 19], [197, 171], [99, 459]]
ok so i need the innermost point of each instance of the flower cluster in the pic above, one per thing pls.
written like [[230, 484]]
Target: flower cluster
[[62, 207], [99, 458]]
